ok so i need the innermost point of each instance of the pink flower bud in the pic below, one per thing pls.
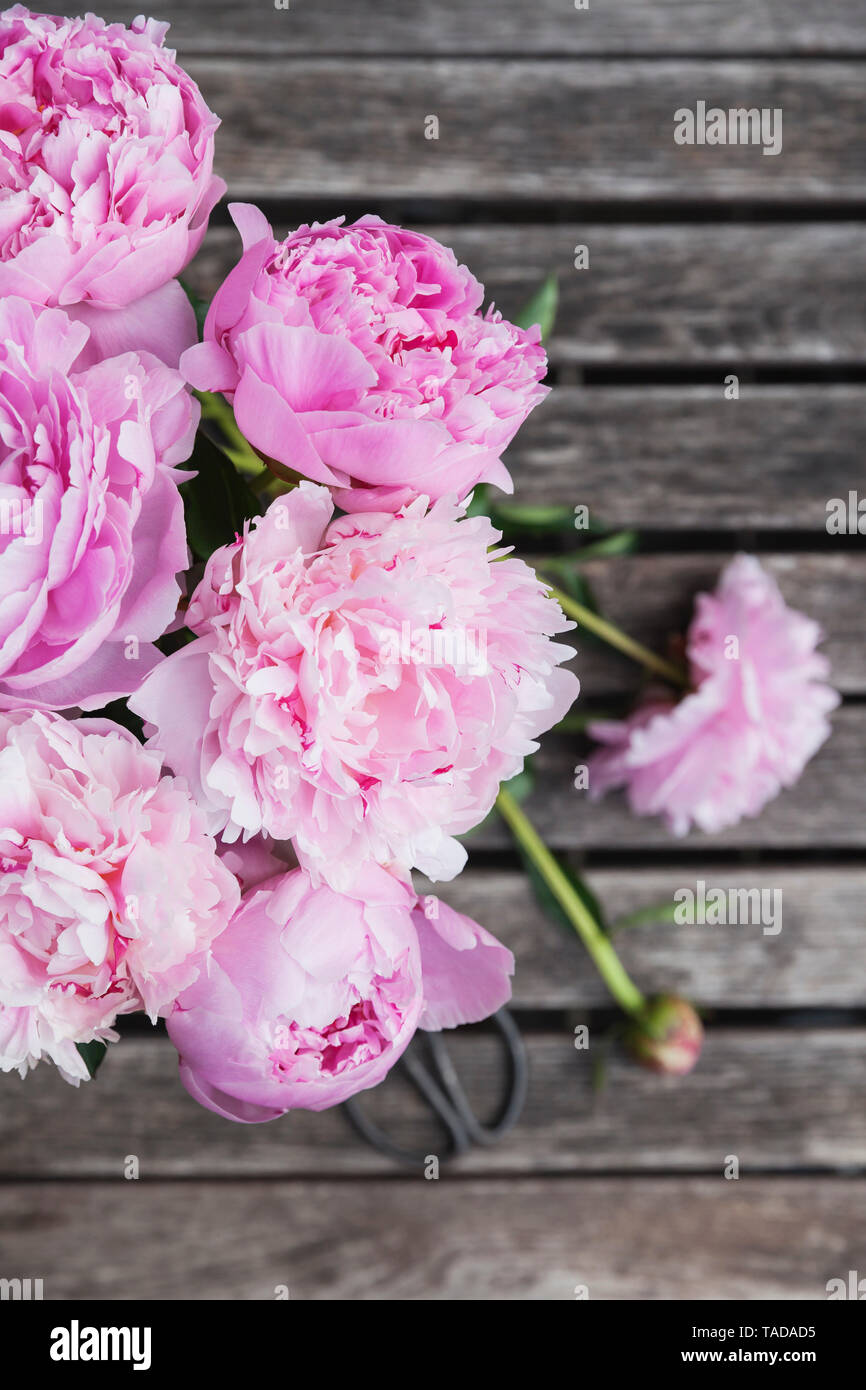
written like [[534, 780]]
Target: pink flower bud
[[668, 1038]]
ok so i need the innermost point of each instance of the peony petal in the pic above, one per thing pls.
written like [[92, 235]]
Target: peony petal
[[465, 971], [161, 322], [272, 427]]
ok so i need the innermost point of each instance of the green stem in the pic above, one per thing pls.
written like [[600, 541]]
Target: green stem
[[609, 966], [241, 453], [619, 639]]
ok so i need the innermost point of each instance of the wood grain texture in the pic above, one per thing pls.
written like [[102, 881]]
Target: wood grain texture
[[542, 107], [778, 1100], [678, 458], [507, 26], [825, 810], [818, 959], [652, 597], [317, 127], [700, 294], [507, 1239]]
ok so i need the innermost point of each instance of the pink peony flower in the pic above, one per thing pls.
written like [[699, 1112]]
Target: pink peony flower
[[360, 688], [357, 356], [757, 714], [111, 890], [254, 861], [311, 996], [106, 170], [91, 521]]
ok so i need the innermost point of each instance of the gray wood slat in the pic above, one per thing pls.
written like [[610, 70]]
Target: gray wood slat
[[826, 809], [817, 960], [507, 26], [317, 128], [777, 1099], [680, 458], [529, 1239], [652, 598], [699, 294]]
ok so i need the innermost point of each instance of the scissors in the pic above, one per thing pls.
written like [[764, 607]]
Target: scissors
[[441, 1088]]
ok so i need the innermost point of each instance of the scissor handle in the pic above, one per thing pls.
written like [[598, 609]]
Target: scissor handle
[[448, 1101], [516, 1085]]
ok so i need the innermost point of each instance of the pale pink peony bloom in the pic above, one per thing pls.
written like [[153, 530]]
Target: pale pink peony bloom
[[91, 521], [254, 861], [756, 715], [357, 356], [106, 171], [360, 688], [311, 995], [111, 891]]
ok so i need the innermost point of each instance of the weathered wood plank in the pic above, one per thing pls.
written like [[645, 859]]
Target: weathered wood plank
[[676, 458], [777, 1099], [825, 810], [509, 26], [698, 294], [493, 1240], [316, 128], [652, 596], [817, 959]]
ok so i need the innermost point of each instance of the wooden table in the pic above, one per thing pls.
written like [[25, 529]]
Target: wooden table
[[556, 130]]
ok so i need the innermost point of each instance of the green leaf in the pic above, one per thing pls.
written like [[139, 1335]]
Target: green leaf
[[119, 713], [171, 642], [602, 1054], [93, 1053], [535, 517], [217, 501], [481, 501], [541, 308], [620, 543], [647, 916], [548, 901], [578, 723], [216, 411], [599, 1072], [200, 306], [525, 525], [576, 586], [522, 783]]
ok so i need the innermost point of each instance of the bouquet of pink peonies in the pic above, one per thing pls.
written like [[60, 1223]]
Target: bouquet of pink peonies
[[261, 652]]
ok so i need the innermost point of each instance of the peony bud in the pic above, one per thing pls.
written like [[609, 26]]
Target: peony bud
[[669, 1036]]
